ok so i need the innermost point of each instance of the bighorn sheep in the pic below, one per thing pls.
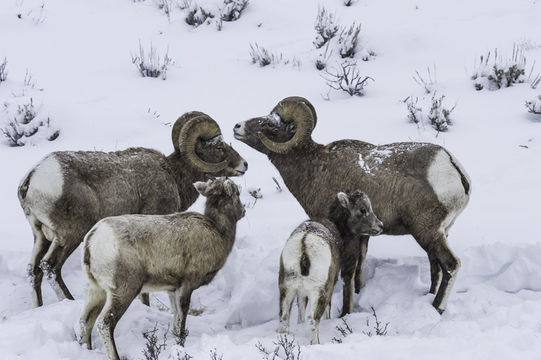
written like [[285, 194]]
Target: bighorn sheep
[[311, 258], [180, 252], [67, 192], [416, 188]]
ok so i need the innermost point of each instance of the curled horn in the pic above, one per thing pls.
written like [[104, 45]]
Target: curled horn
[[199, 127], [301, 99], [179, 124], [292, 109]]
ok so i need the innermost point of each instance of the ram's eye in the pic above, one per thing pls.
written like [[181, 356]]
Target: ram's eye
[[364, 212]]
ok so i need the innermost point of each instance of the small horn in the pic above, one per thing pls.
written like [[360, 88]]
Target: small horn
[[292, 109], [199, 127]]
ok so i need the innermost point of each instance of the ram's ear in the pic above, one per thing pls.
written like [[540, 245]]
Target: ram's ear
[[201, 187], [343, 199]]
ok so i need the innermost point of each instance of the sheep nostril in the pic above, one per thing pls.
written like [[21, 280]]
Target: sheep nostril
[[237, 126], [246, 164]]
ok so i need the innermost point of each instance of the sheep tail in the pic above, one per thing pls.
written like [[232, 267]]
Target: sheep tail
[[305, 260]]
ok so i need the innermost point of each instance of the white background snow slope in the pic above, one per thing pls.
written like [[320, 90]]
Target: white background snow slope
[[80, 60]]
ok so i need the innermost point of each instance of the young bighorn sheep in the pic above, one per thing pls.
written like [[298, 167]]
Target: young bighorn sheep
[[67, 192], [126, 254], [312, 257], [416, 188]]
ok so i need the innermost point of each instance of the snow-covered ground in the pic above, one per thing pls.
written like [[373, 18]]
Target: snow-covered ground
[[79, 55]]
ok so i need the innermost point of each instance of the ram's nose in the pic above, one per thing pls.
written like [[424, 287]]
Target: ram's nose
[[242, 167], [238, 130]]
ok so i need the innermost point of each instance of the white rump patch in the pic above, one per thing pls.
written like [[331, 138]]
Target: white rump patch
[[47, 178], [319, 253], [103, 248], [447, 185]]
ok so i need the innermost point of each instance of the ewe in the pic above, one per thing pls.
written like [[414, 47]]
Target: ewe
[[124, 255]]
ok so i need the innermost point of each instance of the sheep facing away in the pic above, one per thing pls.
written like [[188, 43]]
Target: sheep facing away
[[311, 258], [180, 252], [416, 188], [67, 192]]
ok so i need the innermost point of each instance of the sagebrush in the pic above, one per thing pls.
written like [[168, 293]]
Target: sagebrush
[[3, 70], [325, 26], [195, 14], [494, 71], [344, 330], [430, 110], [378, 328], [534, 105], [232, 9], [346, 77], [264, 57], [25, 124], [151, 64], [153, 345], [348, 41], [285, 348]]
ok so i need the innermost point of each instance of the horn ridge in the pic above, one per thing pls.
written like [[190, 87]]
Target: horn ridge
[[199, 127], [302, 114]]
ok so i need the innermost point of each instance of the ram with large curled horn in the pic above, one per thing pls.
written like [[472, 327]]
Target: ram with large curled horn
[[416, 188], [67, 192]]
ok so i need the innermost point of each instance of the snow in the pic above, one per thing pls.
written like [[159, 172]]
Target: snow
[[79, 55]]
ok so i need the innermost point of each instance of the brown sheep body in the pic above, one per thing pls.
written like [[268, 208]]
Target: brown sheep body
[[67, 192], [416, 188]]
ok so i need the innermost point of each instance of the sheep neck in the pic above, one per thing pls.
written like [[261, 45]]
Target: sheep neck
[[223, 220], [184, 176], [298, 166]]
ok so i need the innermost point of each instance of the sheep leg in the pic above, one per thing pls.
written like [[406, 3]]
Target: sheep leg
[[348, 271], [174, 302], [435, 273], [318, 305], [95, 300], [302, 301], [449, 263], [359, 280], [35, 273], [51, 265], [286, 300], [115, 306], [327, 314], [181, 300]]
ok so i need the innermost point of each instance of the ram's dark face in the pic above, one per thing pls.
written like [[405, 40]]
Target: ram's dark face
[[217, 150], [272, 126], [289, 125]]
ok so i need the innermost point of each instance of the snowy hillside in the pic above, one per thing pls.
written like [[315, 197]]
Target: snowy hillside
[[73, 61]]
